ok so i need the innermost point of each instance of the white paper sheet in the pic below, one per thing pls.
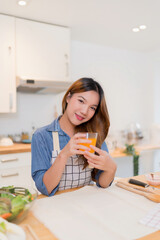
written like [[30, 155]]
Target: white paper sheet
[[95, 213]]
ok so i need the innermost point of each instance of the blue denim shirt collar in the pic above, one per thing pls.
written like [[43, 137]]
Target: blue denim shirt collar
[[55, 127]]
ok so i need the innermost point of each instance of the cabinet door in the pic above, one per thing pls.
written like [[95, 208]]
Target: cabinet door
[[42, 51], [16, 176], [15, 169], [7, 65], [9, 161]]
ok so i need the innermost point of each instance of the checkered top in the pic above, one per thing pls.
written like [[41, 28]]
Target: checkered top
[[74, 175]]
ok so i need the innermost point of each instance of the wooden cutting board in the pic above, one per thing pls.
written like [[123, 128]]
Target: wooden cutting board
[[140, 178], [152, 236], [37, 230], [155, 235]]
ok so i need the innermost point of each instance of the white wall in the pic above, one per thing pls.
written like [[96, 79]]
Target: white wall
[[127, 78], [156, 57], [32, 110]]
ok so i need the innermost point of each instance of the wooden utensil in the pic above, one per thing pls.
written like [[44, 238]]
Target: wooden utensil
[[151, 196], [30, 234], [151, 236], [148, 189]]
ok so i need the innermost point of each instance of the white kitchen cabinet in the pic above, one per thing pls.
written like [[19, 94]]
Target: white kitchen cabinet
[[42, 51], [7, 65], [124, 166], [15, 169], [156, 163]]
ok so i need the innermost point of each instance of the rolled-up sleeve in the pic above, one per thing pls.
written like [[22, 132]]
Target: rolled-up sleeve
[[41, 158], [105, 148]]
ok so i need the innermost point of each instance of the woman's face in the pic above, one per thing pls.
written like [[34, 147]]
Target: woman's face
[[82, 106]]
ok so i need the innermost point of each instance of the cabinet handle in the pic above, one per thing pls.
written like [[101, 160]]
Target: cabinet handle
[[10, 49], [9, 160], [10, 101], [10, 175], [67, 65]]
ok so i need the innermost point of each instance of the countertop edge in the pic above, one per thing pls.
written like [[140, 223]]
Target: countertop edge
[[15, 148]]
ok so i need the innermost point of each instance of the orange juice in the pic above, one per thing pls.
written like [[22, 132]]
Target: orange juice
[[88, 144], [92, 137]]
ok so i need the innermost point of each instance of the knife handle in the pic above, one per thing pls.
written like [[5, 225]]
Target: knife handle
[[139, 183]]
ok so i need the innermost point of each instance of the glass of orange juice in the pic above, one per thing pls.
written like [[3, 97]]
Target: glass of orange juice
[[93, 138]]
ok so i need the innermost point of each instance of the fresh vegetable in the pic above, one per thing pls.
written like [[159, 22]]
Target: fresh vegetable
[[130, 150], [2, 227], [3, 230], [4, 205], [18, 201], [15, 190], [6, 215]]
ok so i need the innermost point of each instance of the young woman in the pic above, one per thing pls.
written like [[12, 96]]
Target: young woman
[[59, 160]]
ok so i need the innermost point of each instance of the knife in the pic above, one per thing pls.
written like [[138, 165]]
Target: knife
[[139, 183]]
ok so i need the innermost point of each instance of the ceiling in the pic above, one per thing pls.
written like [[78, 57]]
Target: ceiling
[[105, 22]]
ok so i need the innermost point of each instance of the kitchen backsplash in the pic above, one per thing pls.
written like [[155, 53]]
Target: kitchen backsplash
[[32, 111]]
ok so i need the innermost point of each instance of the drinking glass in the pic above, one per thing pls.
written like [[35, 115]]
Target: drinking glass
[[93, 138]]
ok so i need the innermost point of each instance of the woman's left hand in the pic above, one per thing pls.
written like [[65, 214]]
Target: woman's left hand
[[102, 161]]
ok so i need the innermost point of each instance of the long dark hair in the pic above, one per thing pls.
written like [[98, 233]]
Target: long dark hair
[[100, 122]]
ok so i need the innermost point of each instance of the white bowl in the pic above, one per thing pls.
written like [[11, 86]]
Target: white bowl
[[6, 141], [153, 179]]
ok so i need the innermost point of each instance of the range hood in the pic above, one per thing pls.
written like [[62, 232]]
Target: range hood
[[41, 86]]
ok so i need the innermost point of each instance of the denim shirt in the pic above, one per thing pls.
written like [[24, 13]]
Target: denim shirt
[[41, 149]]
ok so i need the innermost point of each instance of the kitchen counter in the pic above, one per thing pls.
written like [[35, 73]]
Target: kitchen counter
[[117, 153], [15, 148], [36, 226], [44, 234]]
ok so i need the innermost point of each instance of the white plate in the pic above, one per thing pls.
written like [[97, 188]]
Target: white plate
[[19, 235], [14, 232]]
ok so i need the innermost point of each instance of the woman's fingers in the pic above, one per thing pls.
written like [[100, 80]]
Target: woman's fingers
[[92, 159], [98, 150], [82, 147], [91, 155], [80, 152], [79, 135], [94, 165]]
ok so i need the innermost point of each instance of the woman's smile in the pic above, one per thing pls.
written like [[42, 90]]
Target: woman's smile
[[79, 117]]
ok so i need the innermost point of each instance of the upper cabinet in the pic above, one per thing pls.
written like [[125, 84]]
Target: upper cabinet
[[35, 51], [42, 51], [7, 65]]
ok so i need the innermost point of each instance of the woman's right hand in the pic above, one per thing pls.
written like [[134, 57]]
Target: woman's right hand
[[74, 146]]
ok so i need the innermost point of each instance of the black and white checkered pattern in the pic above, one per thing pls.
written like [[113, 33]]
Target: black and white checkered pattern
[[74, 175]]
